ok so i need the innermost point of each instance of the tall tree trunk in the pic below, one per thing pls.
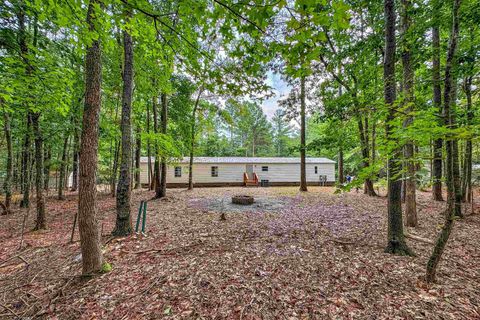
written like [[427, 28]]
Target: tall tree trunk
[[7, 183], [123, 224], [396, 239], [448, 116], [408, 78], [156, 170], [87, 194], [303, 172], [437, 102], [63, 163], [163, 182], [467, 164], [192, 139], [40, 223], [138, 153]]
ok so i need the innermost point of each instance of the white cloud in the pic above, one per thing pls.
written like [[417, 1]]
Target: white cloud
[[280, 89]]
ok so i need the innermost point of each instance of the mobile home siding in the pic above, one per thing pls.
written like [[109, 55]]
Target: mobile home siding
[[233, 173]]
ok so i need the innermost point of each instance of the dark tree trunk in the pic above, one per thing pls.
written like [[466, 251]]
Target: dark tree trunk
[[75, 161], [123, 224], [409, 154], [16, 167], [46, 171], [87, 193], [467, 163], [192, 140], [113, 177], [40, 223], [149, 150], [156, 170], [368, 184], [138, 153], [455, 152], [27, 157], [396, 239], [163, 182], [303, 172], [340, 166], [7, 184], [63, 164], [437, 101], [448, 116]]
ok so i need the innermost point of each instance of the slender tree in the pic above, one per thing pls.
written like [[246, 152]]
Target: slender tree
[[408, 79], [156, 165], [192, 138], [138, 151], [162, 190], [41, 222], [467, 159], [449, 121], [303, 172], [87, 195], [396, 239], [123, 225], [63, 168], [437, 101]]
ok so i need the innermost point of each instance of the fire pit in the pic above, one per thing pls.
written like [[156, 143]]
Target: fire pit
[[243, 200]]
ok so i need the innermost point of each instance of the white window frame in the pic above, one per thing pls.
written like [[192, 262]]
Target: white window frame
[[316, 169], [263, 167]]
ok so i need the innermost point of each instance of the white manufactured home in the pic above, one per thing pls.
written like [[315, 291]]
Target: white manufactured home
[[240, 171]]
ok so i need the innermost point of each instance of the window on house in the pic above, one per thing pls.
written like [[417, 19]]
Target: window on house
[[264, 168], [214, 171], [178, 172], [316, 169]]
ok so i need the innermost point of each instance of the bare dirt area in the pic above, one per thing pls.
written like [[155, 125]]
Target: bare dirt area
[[318, 255]]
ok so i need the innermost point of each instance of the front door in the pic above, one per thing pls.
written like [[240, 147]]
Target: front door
[[249, 170]]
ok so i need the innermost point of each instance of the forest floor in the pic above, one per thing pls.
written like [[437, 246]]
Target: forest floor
[[315, 255]]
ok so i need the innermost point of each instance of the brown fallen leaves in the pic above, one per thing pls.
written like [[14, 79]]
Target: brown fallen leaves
[[318, 256]]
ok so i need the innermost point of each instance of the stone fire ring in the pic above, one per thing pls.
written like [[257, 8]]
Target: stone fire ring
[[243, 200]]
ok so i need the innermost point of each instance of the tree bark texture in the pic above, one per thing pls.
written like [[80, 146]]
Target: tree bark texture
[[396, 239], [87, 195], [40, 223], [123, 224]]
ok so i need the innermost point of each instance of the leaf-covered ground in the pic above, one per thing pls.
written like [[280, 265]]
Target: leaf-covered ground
[[318, 256]]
